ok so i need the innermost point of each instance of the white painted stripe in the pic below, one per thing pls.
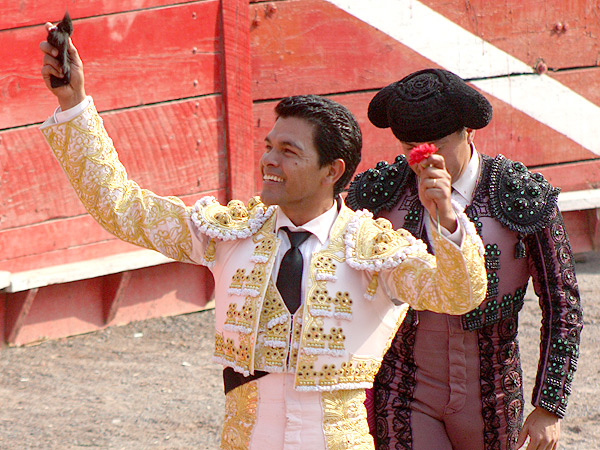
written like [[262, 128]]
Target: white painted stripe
[[454, 48], [579, 200]]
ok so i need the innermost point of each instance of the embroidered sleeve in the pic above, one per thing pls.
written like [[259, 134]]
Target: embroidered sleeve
[[553, 273], [87, 155], [452, 282]]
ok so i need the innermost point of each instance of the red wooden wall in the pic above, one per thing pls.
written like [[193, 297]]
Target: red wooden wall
[[187, 89]]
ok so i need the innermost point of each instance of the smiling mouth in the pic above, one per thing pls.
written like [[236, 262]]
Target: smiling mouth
[[272, 178]]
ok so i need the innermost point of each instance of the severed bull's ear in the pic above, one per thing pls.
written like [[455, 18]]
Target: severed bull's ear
[[58, 37]]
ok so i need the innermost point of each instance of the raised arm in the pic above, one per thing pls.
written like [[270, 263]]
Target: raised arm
[[87, 155]]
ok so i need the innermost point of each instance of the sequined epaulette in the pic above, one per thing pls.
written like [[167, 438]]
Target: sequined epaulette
[[521, 200], [230, 222], [378, 188], [374, 245]]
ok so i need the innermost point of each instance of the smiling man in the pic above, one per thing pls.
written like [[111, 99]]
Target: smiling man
[[308, 293]]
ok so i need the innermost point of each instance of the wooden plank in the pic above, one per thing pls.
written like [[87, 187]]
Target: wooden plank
[[594, 221], [293, 54], [586, 82], [237, 98], [35, 12], [65, 241], [573, 177], [532, 29], [310, 47], [4, 279], [381, 145], [130, 59], [182, 289], [83, 270], [75, 308], [16, 313], [520, 137], [114, 288], [579, 200], [578, 228], [3, 298], [173, 149]]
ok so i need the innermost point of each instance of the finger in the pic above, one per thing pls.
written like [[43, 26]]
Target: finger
[[48, 70], [436, 161], [49, 26], [52, 62], [48, 49], [73, 53]]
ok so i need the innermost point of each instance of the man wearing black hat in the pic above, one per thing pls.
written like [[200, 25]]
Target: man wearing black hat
[[456, 382]]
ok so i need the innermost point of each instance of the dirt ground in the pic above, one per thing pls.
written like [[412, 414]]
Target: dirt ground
[[152, 385]]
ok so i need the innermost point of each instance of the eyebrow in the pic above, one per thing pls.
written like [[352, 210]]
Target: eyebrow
[[286, 142]]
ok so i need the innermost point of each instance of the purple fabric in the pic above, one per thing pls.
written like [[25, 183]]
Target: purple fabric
[[422, 400]]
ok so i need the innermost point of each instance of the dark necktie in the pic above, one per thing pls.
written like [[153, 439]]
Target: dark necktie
[[289, 280]]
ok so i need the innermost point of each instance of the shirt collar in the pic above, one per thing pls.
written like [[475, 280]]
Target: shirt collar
[[319, 226], [465, 185]]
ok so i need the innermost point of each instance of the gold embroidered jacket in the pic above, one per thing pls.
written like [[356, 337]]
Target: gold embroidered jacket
[[338, 337]]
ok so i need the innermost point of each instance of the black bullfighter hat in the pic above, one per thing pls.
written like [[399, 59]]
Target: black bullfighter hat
[[428, 105]]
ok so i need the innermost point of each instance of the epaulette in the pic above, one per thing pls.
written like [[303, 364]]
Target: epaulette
[[521, 200], [374, 245], [230, 222], [378, 188]]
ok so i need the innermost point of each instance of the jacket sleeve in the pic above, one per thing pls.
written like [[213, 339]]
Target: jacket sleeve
[[453, 282], [553, 272], [138, 216]]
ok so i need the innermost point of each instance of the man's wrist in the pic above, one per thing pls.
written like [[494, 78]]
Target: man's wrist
[[71, 101]]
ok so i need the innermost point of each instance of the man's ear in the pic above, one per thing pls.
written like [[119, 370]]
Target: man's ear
[[336, 169], [470, 135]]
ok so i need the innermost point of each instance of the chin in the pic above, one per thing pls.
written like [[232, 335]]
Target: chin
[[267, 199]]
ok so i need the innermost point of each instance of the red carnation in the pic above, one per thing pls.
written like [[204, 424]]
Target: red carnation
[[423, 151]]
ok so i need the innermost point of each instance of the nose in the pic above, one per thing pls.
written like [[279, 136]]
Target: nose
[[268, 158]]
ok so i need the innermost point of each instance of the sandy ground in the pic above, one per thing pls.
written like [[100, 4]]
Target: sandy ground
[[152, 385]]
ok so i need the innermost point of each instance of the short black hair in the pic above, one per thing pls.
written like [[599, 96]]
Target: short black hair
[[337, 133]]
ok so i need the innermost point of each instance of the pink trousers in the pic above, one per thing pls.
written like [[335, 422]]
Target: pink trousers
[[446, 410]]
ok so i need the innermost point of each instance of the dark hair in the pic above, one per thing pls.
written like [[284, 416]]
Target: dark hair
[[337, 134]]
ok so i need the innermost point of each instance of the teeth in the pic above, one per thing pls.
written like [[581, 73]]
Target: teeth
[[272, 178]]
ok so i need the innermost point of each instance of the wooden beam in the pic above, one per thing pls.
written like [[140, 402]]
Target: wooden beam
[[594, 218], [17, 308], [237, 98], [66, 273], [113, 291]]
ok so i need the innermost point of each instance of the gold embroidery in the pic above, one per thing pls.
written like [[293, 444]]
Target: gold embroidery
[[325, 266], [237, 210], [306, 374], [209, 254], [320, 301], [313, 336], [336, 339], [237, 281], [265, 248], [343, 304], [345, 420], [240, 416], [86, 153], [256, 279], [273, 333], [231, 314], [456, 287], [377, 240]]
